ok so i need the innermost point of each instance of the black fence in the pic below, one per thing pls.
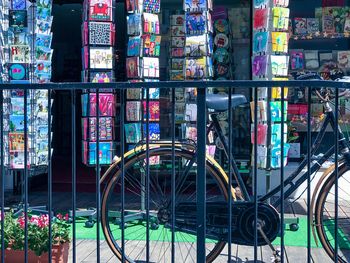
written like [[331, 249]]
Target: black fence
[[168, 200]]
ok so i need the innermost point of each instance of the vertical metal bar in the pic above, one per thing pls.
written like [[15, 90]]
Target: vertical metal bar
[[49, 174], [336, 192], [2, 214], [230, 140], [201, 174], [74, 170], [282, 173], [255, 173], [309, 210], [173, 190], [98, 168], [122, 150], [147, 177], [25, 175]]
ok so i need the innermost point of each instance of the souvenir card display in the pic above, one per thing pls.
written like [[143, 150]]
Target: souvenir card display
[[330, 64], [329, 22], [270, 61], [98, 39], [142, 65]]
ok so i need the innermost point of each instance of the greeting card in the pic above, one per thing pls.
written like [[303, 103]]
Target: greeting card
[[279, 65], [300, 25], [313, 25], [191, 132], [153, 93], [259, 66], [195, 23], [100, 10], [260, 18], [18, 4], [328, 24], [17, 123], [150, 67], [43, 67], [18, 72], [132, 132], [101, 57], [311, 59], [178, 31], [260, 41], [151, 6], [153, 131], [132, 6], [43, 40], [134, 24], [151, 23], [276, 111], [261, 110], [19, 54], [262, 134], [134, 45], [196, 46], [279, 42], [105, 153], [106, 125], [276, 133], [43, 53], [191, 112], [276, 92], [153, 107], [196, 68], [101, 33], [196, 5], [177, 75], [280, 18], [133, 67], [43, 26], [101, 76], [133, 94], [18, 19], [106, 104], [177, 52], [282, 3], [344, 59], [16, 142], [151, 45], [177, 20], [178, 41], [296, 59], [276, 156]]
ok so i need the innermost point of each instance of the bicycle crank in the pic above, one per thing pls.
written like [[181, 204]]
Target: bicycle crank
[[243, 222]]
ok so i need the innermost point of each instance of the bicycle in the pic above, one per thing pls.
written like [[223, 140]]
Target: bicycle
[[218, 193]]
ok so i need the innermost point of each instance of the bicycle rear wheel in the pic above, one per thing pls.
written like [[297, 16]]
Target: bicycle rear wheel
[[160, 208], [325, 216]]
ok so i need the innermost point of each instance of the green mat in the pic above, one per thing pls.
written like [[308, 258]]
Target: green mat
[[295, 239]]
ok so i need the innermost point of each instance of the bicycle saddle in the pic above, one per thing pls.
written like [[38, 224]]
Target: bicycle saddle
[[219, 102]]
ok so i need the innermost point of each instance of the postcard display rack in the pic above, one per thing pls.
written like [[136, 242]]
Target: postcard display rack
[[98, 36], [28, 45], [270, 62], [142, 65]]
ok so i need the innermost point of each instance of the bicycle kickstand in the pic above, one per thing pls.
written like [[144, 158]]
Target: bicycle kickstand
[[276, 258]]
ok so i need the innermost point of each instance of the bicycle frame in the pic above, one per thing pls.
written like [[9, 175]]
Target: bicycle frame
[[292, 181]]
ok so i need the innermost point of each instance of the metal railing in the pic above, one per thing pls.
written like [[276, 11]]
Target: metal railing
[[200, 225]]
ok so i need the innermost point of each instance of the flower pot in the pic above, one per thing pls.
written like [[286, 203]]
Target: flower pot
[[59, 255]]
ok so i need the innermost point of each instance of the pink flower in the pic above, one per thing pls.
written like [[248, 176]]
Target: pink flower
[[34, 220], [43, 221], [21, 221], [66, 217], [59, 216]]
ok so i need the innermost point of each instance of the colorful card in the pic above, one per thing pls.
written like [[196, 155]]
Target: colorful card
[[196, 5], [133, 110], [16, 141], [191, 132], [260, 41], [101, 76], [151, 45], [279, 65], [177, 52], [43, 40], [133, 94], [191, 112], [101, 33], [311, 59], [259, 66], [18, 72], [134, 24], [280, 18], [133, 67], [196, 46], [276, 158], [100, 10], [18, 19], [17, 123], [276, 132], [89, 127], [178, 41], [344, 59], [134, 46], [178, 31], [328, 24], [260, 18], [279, 42], [153, 111], [261, 110], [151, 23], [151, 6], [313, 25], [101, 57], [132, 6], [296, 59], [153, 131], [106, 104], [106, 150], [178, 64], [177, 20], [300, 25], [19, 54], [262, 134], [150, 67], [282, 3], [132, 132], [196, 23], [43, 26], [196, 68], [18, 4], [276, 111]]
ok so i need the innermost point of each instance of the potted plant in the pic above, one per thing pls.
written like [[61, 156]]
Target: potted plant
[[38, 238]]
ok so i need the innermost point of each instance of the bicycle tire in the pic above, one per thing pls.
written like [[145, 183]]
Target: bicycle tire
[[323, 214], [213, 168]]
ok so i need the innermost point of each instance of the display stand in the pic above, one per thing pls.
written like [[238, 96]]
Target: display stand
[[142, 65], [27, 54], [270, 62]]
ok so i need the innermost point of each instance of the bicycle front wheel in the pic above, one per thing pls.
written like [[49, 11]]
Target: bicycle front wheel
[[157, 237], [325, 214]]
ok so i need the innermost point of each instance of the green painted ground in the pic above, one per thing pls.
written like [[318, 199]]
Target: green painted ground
[[137, 232]]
